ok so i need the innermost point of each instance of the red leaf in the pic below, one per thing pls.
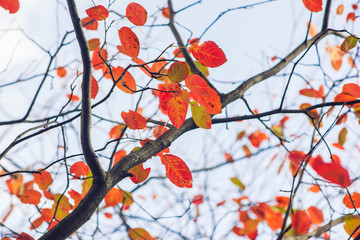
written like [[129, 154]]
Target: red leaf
[[136, 14], [313, 5], [228, 157], [353, 201], [113, 197], [130, 44], [350, 16], [340, 9], [36, 223], [11, 5], [133, 120], [257, 137], [89, 23], [24, 236], [139, 173], [333, 172], [178, 71], [197, 85], [73, 97], [125, 81], [165, 12], [176, 110], [343, 97], [43, 180], [97, 62], [300, 222], [118, 156], [94, 88], [282, 201], [315, 214], [351, 89], [208, 54], [116, 131], [98, 13], [198, 199], [30, 196], [211, 102], [61, 72], [313, 93], [177, 171], [75, 196], [79, 169]]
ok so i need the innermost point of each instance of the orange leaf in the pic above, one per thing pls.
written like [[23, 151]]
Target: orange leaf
[[118, 156], [178, 71], [15, 184], [30, 196], [130, 45], [247, 151], [73, 97], [313, 5], [133, 120], [43, 180], [312, 30], [177, 171], [97, 62], [351, 225], [336, 55], [116, 131], [351, 62], [113, 197], [24, 236], [351, 89], [208, 54], [139, 173], [197, 85], [75, 196], [315, 214], [176, 110], [93, 44], [341, 119], [198, 199], [343, 97], [200, 116], [350, 16], [61, 72], [98, 13], [11, 5], [211, 102], [139, 234], [353, 201], [314, 188], [79, 169], [300, 222], [89, 23], [273, 218], [312, 92], [282, 202], [228, 157], [125, 81], [94, 88], [340, 9], [333, 172], [136, 14], [165, 12], [36, 223], [257, 137]]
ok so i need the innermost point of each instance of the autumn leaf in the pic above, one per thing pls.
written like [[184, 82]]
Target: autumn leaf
[[176, 110], [75, 196], [353, 202], [342, 137], [313, 5], [228, 157], [24, 236], [238, 183], [118, 156], [130, 45], [350, 16], [79, 169], [300, 222], [335, 55], [197, 199], [349, 43], [125, 81], [178, 71], [273, 218], [202, 68], [314, 188], [165, 12], [208, 54], [89, 23], [93, 44], [94, 88], [73, 97], [197, 85], [333, 172], [43, 180], [177, 171], [340, 9], [116, 131], [113, 197], [282, 201], [139, 173], [315, 214], [351, 225], [200, 116], [351, 89], [313, 93], [98, 12], [211, 102], [97, 61], [139, 234], [257, 137], [30, 196], [11, 5], [343, 97], [61, 72], [133, 120], [136, 14], [15, 184]]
